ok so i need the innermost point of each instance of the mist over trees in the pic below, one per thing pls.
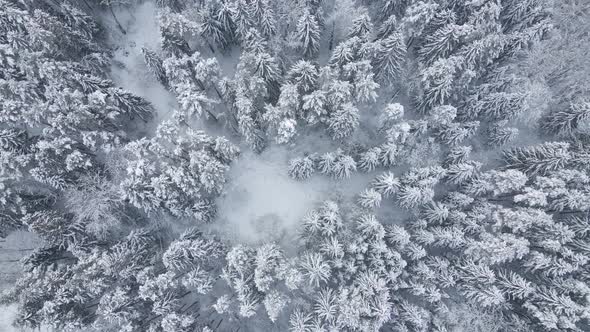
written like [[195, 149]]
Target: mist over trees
[[467, 124]]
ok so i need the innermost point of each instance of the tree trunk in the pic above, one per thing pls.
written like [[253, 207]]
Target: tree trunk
[[410, 42], [88, 5], [210, 46], [218, 93], [212, 115], [117, 20], [331, 44]]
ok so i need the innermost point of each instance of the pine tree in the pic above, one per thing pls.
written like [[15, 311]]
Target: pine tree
[[566, 122], [387, 184], [308, 34], [299, 321], [394, 7], [390, 57], [438, 81], [345, 52], [274, 303], [457, 155], [267, 20], [370, 198], [315, 268], [314, 105], [301, 168], [442, 116], [305, 75], [168, 172], [500, 105], [500, 135], [417, 17], [343, 121], [365, 88], [388, 27], [212, 29], [191, 250], [518, 15], [155, 65], [242, 18], [442, 42], [462, 172], [362, 27], [540, 158], [225, 17], [343, 167], [369, 160]]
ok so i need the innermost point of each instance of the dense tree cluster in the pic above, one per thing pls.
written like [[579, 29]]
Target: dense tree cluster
[[471, 117]]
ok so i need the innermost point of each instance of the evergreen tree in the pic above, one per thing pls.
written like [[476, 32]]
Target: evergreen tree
[[362, 27], [212, 28], [301, 168], [500, 135], [155, 65], [390, 57], [539, 159], [566, 122], [343, 121], [308, 34], [442, 42]]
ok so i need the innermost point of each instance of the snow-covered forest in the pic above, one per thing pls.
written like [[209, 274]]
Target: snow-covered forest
[[295, 165]]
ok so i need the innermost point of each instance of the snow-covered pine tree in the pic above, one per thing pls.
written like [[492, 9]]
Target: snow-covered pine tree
[[566, 122], [301, 168], [177, 175], [540, 158], [389, 58], [343, 121], [212, 28], [308, 34], [155, 65]]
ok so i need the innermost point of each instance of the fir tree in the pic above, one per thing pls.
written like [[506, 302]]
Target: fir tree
[[390, 57], [539, 159], [343, 121], [308, 34], [566, 122]]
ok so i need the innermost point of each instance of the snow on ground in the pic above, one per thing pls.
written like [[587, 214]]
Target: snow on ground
[[12, 248], [129, 70], [262, 203], [8, 315]]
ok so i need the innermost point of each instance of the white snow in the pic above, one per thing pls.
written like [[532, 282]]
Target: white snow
[[262, 203], [142, 29], [12, 248], [7, 316]]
